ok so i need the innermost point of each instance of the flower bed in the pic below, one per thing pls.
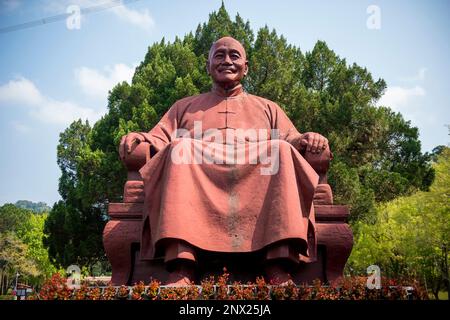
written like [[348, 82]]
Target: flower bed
[[353, 288]]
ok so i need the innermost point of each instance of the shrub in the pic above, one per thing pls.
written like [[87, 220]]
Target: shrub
[[349, 288], [55, 288]]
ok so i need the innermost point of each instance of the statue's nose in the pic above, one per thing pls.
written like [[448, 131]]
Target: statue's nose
[[227, 60]]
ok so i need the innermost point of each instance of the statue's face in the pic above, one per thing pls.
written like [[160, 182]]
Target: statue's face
[[227, 63]]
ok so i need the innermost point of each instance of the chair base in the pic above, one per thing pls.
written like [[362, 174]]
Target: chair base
[[121, 239]]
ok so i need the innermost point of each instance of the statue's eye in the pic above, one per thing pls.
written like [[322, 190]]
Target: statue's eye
[[218, 55]]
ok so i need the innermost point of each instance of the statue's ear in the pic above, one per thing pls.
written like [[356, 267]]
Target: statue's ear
[[246, 68], [207, 67]]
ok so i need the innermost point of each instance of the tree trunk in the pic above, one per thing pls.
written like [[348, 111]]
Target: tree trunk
[[447, 280], [6, 283], [448, 289], [436, 288], [1, 282], [436, 294]]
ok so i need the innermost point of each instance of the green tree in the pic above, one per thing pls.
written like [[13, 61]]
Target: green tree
[[13, 259], [21, 246], [411, 236], [11, 217], [377, 153], [32, 234], [38, 207], [75, 237]]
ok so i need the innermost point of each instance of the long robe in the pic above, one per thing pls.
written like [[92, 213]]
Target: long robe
[[227, 207]]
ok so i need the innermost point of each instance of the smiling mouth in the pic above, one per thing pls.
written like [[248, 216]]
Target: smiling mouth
[[226, 71]]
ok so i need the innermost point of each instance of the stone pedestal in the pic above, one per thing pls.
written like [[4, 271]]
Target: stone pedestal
[[122, 233]]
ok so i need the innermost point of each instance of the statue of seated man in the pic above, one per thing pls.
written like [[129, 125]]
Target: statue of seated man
[[228, 176]]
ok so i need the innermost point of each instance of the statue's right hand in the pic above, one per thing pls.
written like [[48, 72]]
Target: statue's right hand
[[129, 143]]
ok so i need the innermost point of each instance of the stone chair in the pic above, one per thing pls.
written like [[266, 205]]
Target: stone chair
[[122, 233]]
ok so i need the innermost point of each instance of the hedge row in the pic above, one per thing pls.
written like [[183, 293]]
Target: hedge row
[[350, 288]]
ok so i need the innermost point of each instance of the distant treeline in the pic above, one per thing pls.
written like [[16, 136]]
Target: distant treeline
[[37, 207]]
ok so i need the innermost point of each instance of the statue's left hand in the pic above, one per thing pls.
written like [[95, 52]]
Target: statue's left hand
[[314, 142], [130, 142]]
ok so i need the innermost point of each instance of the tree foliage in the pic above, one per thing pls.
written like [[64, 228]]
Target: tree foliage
[[377, 153], [21, 246], [38, 207], [411, 236]]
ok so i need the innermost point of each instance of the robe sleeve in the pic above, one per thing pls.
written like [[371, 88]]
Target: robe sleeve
[[163, 132], [287, 130]]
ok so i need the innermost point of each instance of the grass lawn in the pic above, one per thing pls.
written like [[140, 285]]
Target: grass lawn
[[443, 295]]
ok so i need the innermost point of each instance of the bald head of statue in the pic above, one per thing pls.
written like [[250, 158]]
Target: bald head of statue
[[227, 62]]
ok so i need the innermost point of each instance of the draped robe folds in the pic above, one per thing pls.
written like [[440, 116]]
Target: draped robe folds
[[227, 207]]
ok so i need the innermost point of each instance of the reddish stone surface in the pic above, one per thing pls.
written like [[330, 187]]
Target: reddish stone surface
[[122, 237], [222, 214], [119, 236]]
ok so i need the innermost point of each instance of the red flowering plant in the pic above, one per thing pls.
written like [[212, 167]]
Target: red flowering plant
[[208, 290], [109, 293], [359, 288], [325, 292], [55, 288], [416, 290], [153, 289], [94, 293], [138, 291], [181, 293], [349, 288], [286, 292], [238, 291], [291, 291], [122, 292], [345, 289], [373, 294], [222, 286], [81, 293], [262, 290], [397, 289], [193, 292], [304, 292], [352, 288], [277, 293], [312, 292], [167, 293]]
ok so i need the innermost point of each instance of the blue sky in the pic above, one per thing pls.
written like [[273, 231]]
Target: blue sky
[[50, 75]]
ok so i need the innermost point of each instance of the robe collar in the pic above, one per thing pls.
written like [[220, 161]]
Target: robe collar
[[234, 92]]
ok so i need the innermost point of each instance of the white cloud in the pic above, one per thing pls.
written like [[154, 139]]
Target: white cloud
[[63, 112], [420, 76], [20, 127], [141, 19], [97, 84], [23, 93], [399, 97]]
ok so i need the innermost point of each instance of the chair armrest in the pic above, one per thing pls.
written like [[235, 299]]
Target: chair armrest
[[133, 191], [320, 162], [137, 158]]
